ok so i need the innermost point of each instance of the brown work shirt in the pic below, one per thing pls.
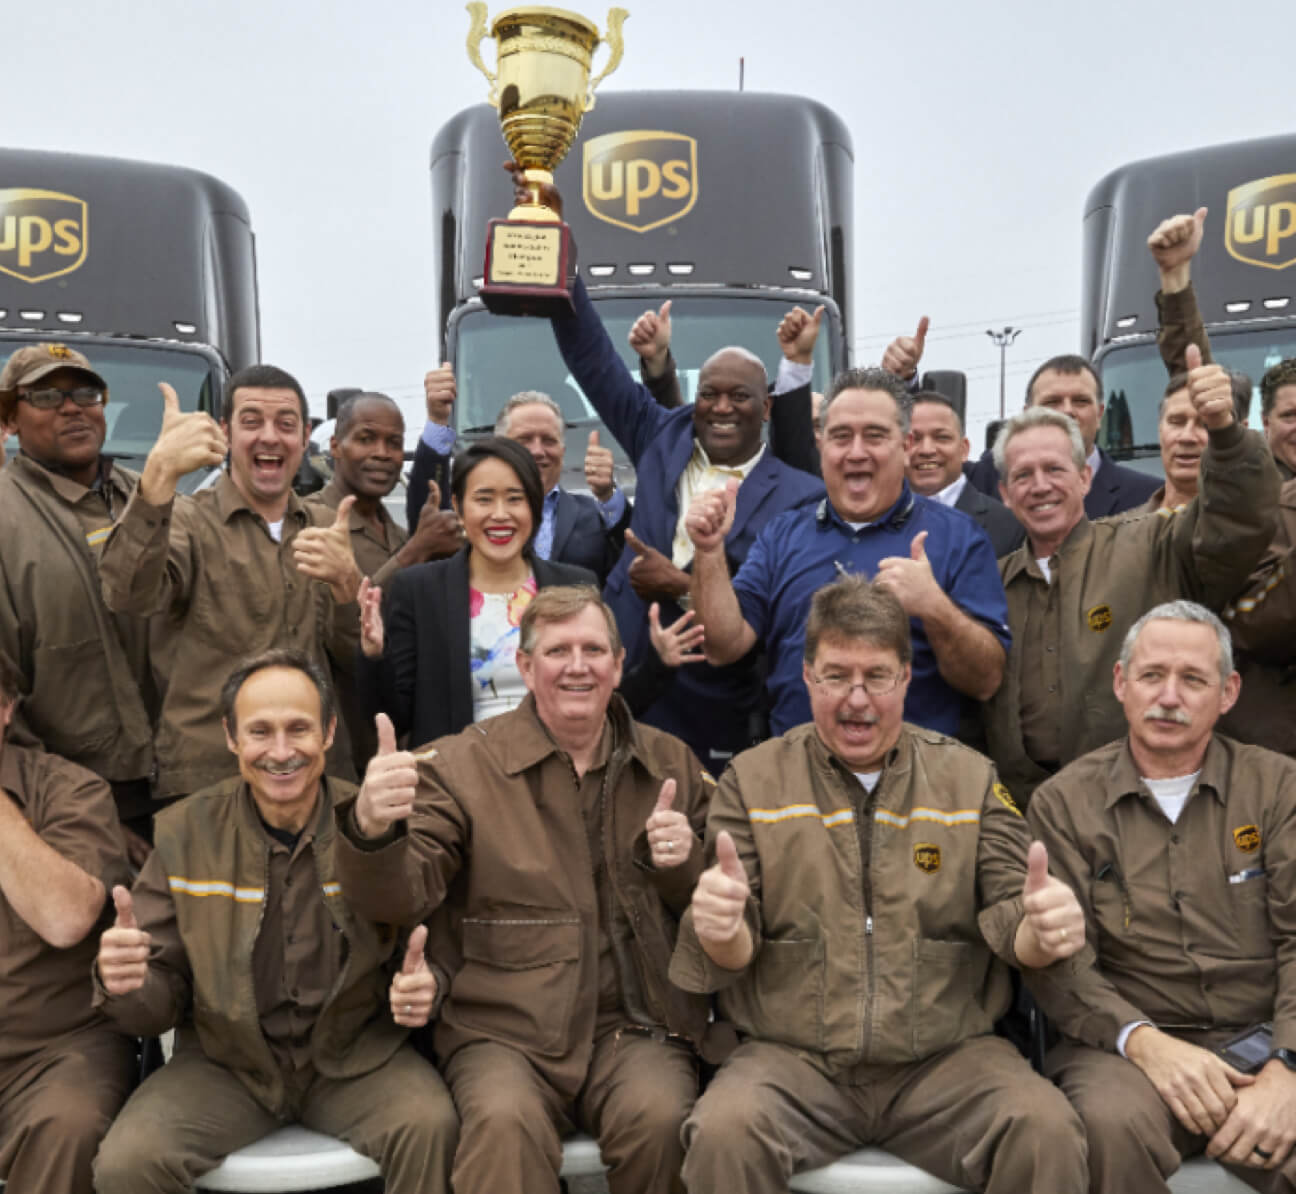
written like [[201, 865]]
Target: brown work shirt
[[84, 671], [220, 588], [45, 992], [1038, 640], [1190, 925], [375, 549]]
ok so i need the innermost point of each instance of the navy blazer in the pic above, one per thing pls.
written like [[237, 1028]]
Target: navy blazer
[[423, 681], [710, 708], [1006, 533], [428, 466], [1113, 489]]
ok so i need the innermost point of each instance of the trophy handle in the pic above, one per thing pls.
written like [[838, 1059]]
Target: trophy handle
[[615, 49], [476, 31]]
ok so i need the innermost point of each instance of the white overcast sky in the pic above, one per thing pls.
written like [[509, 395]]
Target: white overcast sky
[[978, 130]]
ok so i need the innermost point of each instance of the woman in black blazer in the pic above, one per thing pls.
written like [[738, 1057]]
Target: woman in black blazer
[[418, 662]]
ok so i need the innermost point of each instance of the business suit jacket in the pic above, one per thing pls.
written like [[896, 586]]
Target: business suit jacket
[[710, 708], [1006, 533], [427, 466], [423, 681], [1113, 489]]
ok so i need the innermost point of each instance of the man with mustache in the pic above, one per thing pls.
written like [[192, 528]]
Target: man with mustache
[[1181, 846], [236, 933]]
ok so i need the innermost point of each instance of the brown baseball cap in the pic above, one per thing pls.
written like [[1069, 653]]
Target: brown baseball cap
[[35, 361]]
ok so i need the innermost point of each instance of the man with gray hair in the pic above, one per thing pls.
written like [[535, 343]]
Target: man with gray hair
[[1076, 586], [1181, 846]]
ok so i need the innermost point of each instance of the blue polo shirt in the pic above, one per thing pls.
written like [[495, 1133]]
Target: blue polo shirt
[[801, 550]]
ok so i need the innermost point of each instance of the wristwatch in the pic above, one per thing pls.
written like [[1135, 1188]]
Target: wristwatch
[[1286, 1056]]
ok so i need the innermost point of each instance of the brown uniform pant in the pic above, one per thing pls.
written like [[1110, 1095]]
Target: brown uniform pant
[[192, 1113], [636, 1095], [975, 1116], [1135, 1141], [55, 1108]]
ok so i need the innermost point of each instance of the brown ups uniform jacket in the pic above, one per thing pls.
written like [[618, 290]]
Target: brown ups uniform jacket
[[222, 589], [881, 921], [81, 666], [375, 556], [1190, 925], [497, 831], [256, 956], [1105, 577]]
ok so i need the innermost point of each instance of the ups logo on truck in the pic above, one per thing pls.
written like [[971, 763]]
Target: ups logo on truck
[[1261, 227], [640, 180], [42, 234]]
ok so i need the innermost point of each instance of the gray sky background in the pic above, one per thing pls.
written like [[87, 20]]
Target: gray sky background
[[978, 130]]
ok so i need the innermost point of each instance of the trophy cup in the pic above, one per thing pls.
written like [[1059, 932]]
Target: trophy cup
[[541, 88]]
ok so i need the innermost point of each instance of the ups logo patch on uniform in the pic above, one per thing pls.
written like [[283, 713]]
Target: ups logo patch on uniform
[[1247, 838], [1099, 618], [1005, 798], [927, 857]]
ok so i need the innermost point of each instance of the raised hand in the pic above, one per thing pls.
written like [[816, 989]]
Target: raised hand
[[680, 642], [123, 949], [670, 836], [1054, 926], [904, 352], [188, 440], [710, 517], [324, 554], [598, 468], [1173, 244], [652, 575], [797, 333], [910, 579], [527, 193], [1210, 390], [414, 988], [371, 620], [439, 392], [650, 337], [391, 779], [439, 533], [720, 897]]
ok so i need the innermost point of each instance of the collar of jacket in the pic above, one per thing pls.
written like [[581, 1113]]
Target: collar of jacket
[[893, 520], [229, 501], [897, 760], [69, 490], [333, 493], [320, 826], [1023, 557], [1123, 778]]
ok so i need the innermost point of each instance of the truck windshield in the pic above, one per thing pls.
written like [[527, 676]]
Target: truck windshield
[[496, 356], [1134, 380]]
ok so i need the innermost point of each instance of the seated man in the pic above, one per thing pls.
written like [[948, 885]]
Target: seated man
[[1182, 847], [564, 840], [64, 1071], [867, 993], [237, 934]]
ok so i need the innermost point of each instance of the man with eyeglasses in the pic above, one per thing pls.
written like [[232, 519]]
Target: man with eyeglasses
[[84, 671], [872, 885]]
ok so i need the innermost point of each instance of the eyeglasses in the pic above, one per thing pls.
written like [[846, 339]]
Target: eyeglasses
[[874, 684], [52, 399]]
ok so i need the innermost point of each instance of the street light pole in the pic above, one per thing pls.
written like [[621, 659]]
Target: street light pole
[[1003, 339]]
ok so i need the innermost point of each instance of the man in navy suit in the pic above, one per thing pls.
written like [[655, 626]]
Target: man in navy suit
[[677, 454]]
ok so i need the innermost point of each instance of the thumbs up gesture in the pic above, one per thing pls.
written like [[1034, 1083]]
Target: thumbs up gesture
[[650, 337], [1054, 925], [719, 900], [598, 468], [1210, 390], [710, 517], [187, 441], [670, 836], [797, 333], [414, 988], [439, 392], [391, 779], [904, 352], [324, 554], [910, 579], [123, 949]]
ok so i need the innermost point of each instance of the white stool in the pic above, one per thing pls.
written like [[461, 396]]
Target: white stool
[[870, 1169], [581, 1158], [292, 1158], [1202, 1176]]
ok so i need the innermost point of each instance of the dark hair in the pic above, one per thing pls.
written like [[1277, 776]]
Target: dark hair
[[869, 378], [852, 607], [10, 681], [496, 447], [936, 398], [1240, 382], [263, 377], [1282, 374], [557, 603], [285, 657], [346, 410], [1067, 363]]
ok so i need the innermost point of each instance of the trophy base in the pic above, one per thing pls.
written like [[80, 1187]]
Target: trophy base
[[530, 268]]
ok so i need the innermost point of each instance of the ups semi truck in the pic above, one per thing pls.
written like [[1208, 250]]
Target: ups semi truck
[[735, 206], [149, 270], [1244, 274]]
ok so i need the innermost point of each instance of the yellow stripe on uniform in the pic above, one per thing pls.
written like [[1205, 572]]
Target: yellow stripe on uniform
[[423, 755], [331, 889], [216, 887], [94, 538], [962, 816], [768, 816]]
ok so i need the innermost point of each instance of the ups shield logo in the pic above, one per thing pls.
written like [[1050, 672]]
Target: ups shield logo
[[1099, 618], [640, 180], [1261, 224], [42, 234], [927, 857], [1247, 838]]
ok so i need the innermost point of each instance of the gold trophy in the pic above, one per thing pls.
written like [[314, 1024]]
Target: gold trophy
[[542, 88]]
